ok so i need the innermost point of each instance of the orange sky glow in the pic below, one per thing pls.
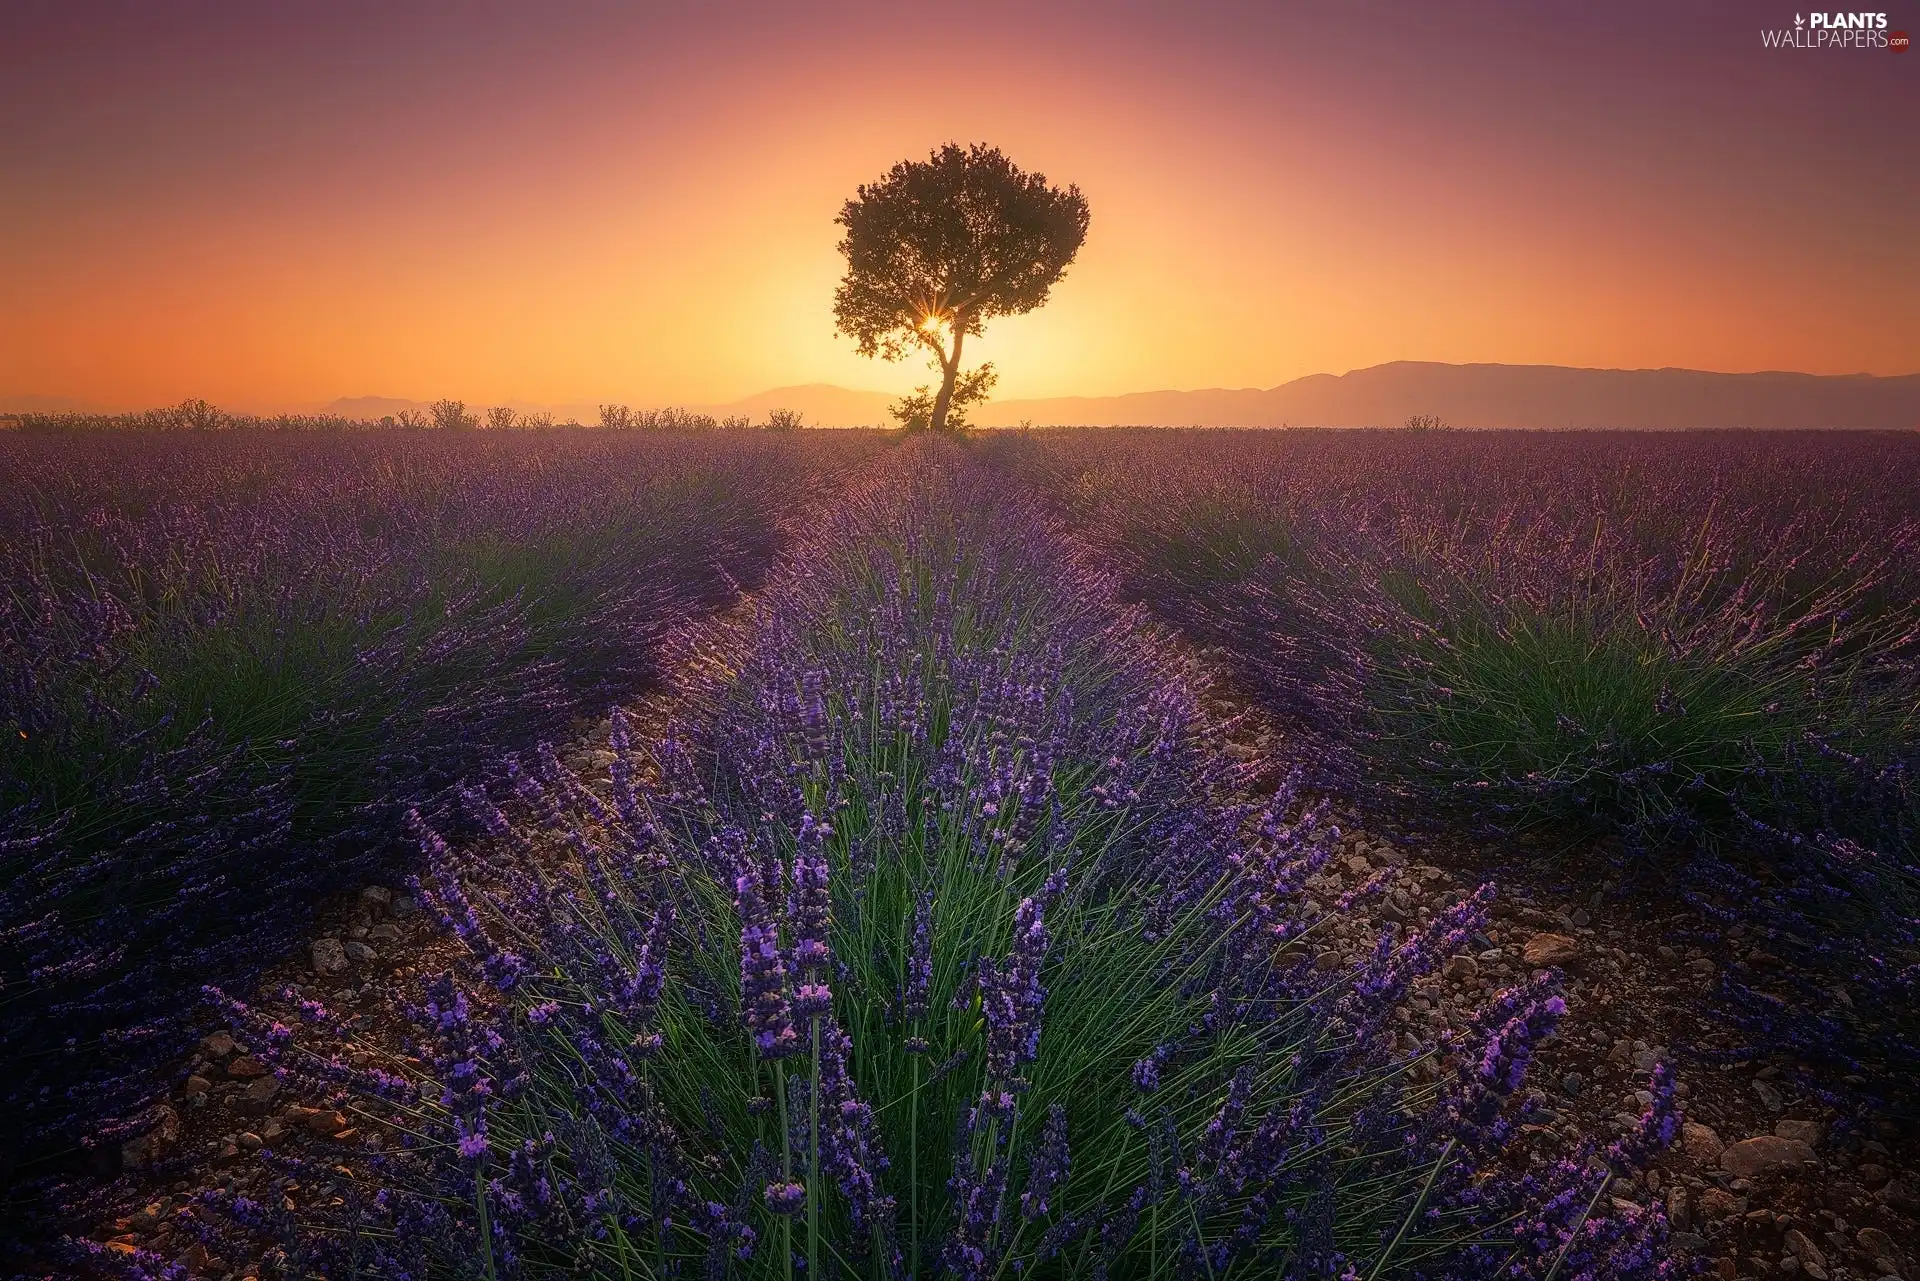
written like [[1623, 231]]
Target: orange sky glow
[[274, 206]]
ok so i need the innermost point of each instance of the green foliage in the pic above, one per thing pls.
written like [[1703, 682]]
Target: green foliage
[[914, 412], [1599, 706], [963, 236], [1581, 724], [1216, 539], [309, 668], [1626, 636], [301, 697]]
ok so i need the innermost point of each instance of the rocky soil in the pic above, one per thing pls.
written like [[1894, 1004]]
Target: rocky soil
[[229, 1112]]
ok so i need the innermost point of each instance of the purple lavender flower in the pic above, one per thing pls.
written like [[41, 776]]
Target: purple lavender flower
[[1049, 1167], [763, 970], [786, 1198], [1011, 997], [919, 960], [471, 1135], [809, 916], [1657, 1125], [1517, 1022], [1503, 1063], [970, 1250], [855, 1157]]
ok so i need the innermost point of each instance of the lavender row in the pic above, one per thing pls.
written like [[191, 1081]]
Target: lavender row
[[1695, 657], [937, 942], [229, 663]]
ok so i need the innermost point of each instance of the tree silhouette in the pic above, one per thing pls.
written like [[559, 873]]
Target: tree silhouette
[[938, 247]]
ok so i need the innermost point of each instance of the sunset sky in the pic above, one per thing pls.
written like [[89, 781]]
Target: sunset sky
[[273, 205]]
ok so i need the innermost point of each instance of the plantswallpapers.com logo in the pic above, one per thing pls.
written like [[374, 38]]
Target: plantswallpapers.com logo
[[1835, 31]]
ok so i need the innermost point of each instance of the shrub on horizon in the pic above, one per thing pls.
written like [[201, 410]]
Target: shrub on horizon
[[451, 415]]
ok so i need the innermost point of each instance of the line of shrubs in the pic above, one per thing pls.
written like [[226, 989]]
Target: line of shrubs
[[441, 415]]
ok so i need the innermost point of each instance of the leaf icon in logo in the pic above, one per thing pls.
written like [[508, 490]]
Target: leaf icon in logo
[[1799, 21]]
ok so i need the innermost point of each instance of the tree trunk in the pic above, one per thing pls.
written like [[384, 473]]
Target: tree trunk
[[949, 370]]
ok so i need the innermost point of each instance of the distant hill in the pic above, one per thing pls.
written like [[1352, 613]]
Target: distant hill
[[823, 405], [1550, 396], [371, 406]]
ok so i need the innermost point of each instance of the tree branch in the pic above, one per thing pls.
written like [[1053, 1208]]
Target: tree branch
[[933, 343]]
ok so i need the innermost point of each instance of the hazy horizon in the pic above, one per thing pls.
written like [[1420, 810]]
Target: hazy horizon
[[31, 402], [1467, 395]]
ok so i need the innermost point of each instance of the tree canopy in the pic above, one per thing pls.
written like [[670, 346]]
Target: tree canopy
[[938, 247]]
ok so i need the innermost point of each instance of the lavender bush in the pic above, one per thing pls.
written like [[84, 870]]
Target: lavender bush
[[1598, 634], [936, 945], [1692, 655], [230, 660]]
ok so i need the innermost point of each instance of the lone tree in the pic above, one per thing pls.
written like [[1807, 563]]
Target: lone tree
[[938, 247]]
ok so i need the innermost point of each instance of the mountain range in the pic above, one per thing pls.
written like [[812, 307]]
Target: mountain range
[[1481, 395], [1474, 396], [1507, 396]]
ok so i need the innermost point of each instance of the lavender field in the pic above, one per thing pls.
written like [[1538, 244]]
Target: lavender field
[[1689, 662], [1084, 854], [230, 661]]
